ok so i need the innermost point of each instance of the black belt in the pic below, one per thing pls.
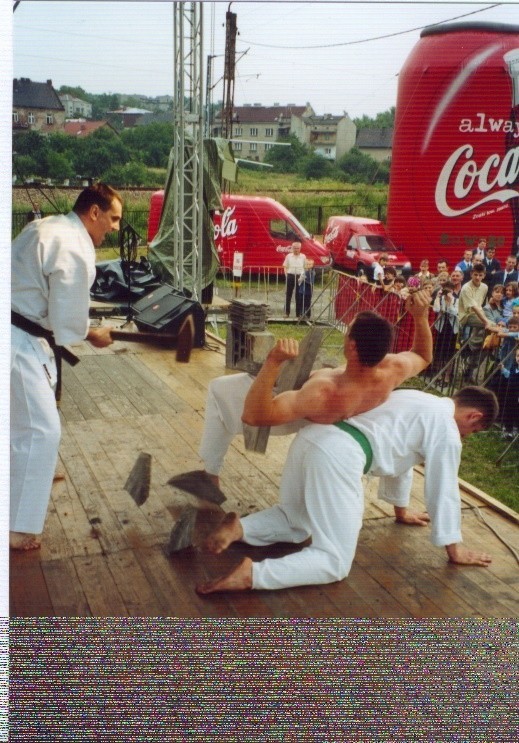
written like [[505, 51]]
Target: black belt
[[60, 352]]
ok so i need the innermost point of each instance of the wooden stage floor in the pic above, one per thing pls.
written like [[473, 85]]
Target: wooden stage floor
[[103, 555]]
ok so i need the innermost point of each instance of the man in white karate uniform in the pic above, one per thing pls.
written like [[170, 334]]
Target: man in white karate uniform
[[321, 494], [52, 270]]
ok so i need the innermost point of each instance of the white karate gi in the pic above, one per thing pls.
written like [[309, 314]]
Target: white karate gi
[[224, 407], [52, 269], [321, 493]]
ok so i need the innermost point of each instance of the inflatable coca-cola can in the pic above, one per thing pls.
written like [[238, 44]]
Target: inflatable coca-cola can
[[455, 159]]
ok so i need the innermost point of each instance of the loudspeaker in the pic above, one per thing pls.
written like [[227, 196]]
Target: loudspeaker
[[164, 310]]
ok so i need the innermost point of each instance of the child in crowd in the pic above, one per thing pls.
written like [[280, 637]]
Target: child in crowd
[[399, 287], [378, 269], [389, 278], [511, 299], [424, 274]]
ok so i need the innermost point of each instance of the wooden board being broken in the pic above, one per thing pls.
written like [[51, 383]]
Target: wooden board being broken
[[292, 377]]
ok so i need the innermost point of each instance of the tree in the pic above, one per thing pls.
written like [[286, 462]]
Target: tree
[[361, 168], [315, 166], [36, 146], [382, 120], [59, 167], [286, 159], [24, 166]]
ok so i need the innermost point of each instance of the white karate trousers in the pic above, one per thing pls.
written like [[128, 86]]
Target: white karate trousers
[[35, 431], [224, 407], [321, 497]]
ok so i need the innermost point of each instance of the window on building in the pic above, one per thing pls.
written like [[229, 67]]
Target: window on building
[[31, 118], [253, 147], [50, 118], [254, 131], [238, 131], [327, 150], [16, 118], [269, 146], [236, 146], [269, 132]]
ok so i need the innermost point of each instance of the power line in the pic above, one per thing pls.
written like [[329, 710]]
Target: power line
[[373, 38]]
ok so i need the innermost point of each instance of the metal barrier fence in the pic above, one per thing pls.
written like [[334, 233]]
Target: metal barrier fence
[[312, 216], [338, 297]]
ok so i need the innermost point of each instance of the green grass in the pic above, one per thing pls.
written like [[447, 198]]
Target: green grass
[[479, 468]]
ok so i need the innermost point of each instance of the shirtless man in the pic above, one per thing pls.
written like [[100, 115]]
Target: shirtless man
[[370, 374]]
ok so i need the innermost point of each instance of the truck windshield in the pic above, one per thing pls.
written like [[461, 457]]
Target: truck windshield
[[283, 229], [376, 242]]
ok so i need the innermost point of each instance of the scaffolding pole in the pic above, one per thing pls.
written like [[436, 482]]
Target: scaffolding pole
[[188, 133]]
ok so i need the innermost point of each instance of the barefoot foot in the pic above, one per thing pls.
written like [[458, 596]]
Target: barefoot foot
[[239, 579], [18, 540], [228, 531]]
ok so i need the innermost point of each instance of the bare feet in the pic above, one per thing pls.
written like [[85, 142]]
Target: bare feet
[[18, 540], [239, 579], [228, 531], [411, 518], [460, 555]]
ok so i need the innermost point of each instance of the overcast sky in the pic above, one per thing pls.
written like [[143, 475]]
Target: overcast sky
[[126, 47]]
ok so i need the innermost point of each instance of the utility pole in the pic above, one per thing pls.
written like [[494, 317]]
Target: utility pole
[[229, 72], [188, 143]]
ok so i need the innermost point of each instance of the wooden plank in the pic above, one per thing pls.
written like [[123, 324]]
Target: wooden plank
[[99, 587], [468, 582], [168, 589], [29, 595], [293, 375], [68, 598], [374, 594], [74, 521], [133, 586], [406, 593], [348, 601], [384, 541]]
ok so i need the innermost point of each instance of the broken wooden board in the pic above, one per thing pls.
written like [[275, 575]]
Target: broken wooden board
[[292, 377]]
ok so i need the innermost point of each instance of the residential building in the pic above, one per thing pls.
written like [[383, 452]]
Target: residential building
[[82, 128], [376, 142], [256, 128], [128, 117], [75, 108], [329, 135], [36, 107]]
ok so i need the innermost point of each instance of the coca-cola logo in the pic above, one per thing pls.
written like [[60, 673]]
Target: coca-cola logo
[[228, 226], [466, 180], [331, 235], [283, 248]]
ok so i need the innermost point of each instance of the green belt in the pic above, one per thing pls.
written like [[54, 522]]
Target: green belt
[[361, 439]]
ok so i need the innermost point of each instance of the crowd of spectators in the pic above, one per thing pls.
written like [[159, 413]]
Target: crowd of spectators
[[476, 311]]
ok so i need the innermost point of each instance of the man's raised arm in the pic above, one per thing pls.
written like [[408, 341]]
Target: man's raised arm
[[259, 403], [421, 353]]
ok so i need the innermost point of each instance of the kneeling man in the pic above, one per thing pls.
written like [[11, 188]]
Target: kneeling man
[[321, 493]]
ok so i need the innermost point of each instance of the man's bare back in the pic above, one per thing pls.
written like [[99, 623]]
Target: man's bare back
[[330, 395]]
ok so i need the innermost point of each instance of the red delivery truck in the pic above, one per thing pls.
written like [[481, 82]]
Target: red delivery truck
[[355, 244], [258, 227], [455, 158]]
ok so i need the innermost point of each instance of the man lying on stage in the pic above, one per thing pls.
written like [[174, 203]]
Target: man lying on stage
[[365, 381], [321, 493]]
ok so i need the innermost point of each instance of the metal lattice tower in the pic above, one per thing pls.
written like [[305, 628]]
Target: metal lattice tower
[[188, 128]]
